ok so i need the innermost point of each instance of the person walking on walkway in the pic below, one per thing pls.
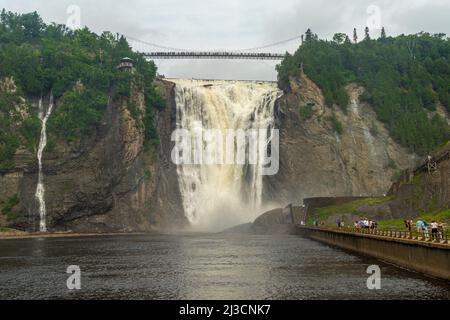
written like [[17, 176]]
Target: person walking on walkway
[[420, 225], [434, 230], [425, 229], [408, 225]]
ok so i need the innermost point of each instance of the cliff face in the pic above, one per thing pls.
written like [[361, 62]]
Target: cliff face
[[105, 182], [315, 160], [108, 182]]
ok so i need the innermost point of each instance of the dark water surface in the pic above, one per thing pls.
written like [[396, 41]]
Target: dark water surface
[[199, 267]]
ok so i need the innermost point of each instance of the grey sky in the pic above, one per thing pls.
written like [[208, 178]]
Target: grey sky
[[235, 24]]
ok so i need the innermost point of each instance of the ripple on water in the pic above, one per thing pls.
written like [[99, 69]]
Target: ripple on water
[[200, 267]]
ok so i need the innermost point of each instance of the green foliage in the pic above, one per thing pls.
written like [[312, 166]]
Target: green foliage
[[399, 224], [16, 129], [134, 110], [151, 137], [147, 175], [153, 97], [7, 230], [404, 77], [30, 130], [78, 114], [8, 205], [78, 67], [350, 207], [396, 175], [336, 125], [307, 111]]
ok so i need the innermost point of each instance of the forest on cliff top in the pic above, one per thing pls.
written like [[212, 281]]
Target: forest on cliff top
[[78, 67], [405, 79]]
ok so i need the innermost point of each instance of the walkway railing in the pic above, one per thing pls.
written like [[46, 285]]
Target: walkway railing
[[413, 235]]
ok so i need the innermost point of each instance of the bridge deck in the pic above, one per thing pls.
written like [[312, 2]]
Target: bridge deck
[[213, 55]]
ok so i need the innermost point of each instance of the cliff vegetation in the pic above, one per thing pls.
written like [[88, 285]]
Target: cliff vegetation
[[78, 67], [406, 79]]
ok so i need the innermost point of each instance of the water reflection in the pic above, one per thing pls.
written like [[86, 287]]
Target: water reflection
[[199, 266]]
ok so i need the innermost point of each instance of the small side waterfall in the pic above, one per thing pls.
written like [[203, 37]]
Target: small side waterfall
[[40, 189]]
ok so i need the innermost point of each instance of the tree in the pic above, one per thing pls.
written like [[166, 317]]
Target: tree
[[383, 33], [404, 79], [366, 33], [347, 40], [308, 35], [339, 37], [355, 36], [79, 67], [32, 25]]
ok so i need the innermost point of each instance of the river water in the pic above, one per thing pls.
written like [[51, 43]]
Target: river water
[[199, 266]]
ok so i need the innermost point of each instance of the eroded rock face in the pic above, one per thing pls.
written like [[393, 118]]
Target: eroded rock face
[[315, 161], [106, 182], [276, 221]]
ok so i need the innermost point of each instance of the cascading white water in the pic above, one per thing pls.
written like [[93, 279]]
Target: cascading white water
[[216, 196], [40, 188]]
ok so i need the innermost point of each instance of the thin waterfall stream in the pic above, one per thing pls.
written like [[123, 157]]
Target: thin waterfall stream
[[40, 188]]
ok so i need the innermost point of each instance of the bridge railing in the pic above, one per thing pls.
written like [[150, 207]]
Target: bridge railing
[[214, 55]]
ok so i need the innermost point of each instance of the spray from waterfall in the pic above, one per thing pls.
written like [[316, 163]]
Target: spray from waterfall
[[40, 188], [216, 196]]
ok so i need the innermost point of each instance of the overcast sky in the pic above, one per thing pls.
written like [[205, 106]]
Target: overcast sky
[[237, 24]]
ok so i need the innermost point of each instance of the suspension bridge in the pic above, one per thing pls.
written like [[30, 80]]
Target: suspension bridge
[[153, 51], [214, 55]]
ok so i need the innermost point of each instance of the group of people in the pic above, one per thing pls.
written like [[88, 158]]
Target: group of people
[[437, 228], [365, 224]]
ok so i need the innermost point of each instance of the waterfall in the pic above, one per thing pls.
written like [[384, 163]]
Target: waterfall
[[215, 195], [40, 188]]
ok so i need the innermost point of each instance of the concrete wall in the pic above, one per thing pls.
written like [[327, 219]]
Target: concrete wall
[[425, 257]]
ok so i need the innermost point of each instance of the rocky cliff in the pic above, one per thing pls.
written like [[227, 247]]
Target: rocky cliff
[[421, 190], [104, 182], [326, 152], [109, 182]]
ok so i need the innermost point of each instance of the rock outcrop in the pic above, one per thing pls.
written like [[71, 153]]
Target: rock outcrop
[[109, 182], [276, 221], [420, 191], [424, 189], [104, 182], [317, 161]]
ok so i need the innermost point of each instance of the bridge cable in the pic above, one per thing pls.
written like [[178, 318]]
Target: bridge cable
[[270, 45], [154, 44], [237, 50]]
